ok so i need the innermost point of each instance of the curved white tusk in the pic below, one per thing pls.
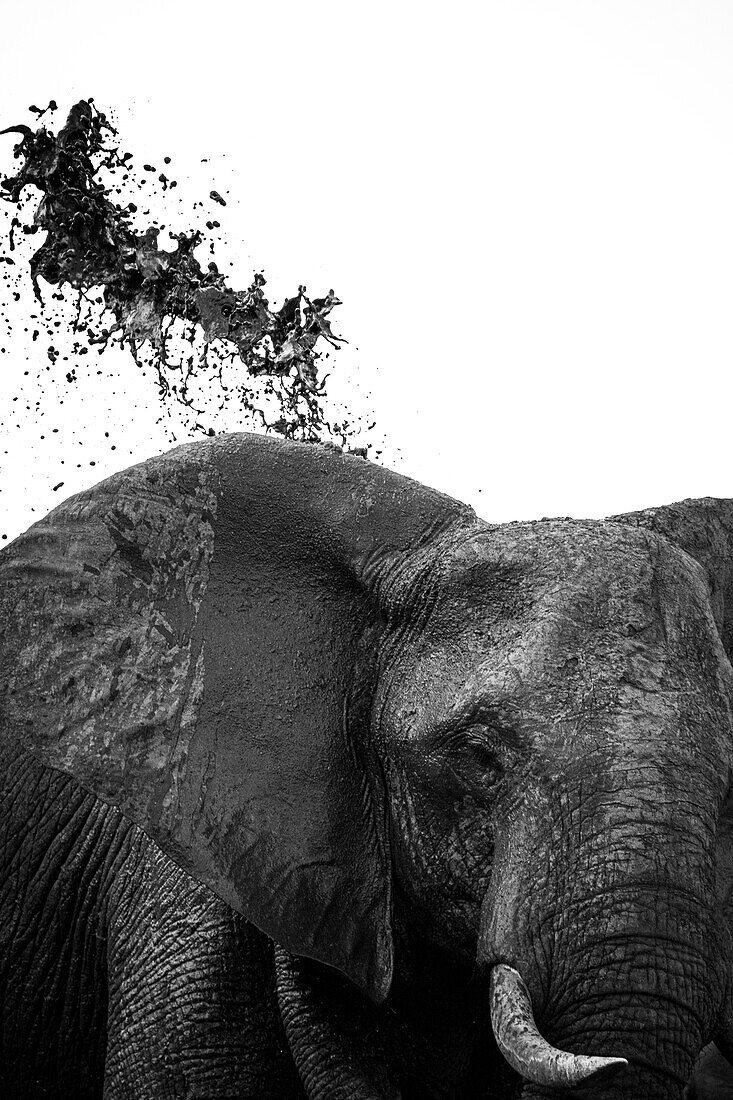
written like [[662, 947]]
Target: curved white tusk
[[522, 1045]]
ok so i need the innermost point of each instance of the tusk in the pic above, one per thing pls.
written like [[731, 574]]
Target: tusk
[[522, 1045]]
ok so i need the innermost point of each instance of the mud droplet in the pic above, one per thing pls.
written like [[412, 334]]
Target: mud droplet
[[232, 346]]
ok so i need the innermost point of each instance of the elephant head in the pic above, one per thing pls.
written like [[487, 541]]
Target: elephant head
[[344, 703]]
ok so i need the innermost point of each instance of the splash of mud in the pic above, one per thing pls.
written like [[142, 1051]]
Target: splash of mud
[[145, 291]]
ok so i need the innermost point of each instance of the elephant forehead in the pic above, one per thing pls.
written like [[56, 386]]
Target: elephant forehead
[[553, 547], [601, 573], [557, 609]]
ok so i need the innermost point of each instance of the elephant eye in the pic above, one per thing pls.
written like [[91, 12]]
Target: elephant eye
[[487, 748], [478, 751]]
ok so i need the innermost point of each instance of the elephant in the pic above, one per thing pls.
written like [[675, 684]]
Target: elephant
[[315, 784]]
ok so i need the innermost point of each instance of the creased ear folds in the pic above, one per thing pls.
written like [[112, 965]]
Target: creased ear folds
[[194, 641], [703, 528]]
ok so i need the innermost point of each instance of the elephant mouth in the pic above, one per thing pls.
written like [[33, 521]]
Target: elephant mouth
[[526, 1050]]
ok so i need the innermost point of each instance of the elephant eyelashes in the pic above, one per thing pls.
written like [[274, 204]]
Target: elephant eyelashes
[[489, 749], [477, 746], [478, 751]]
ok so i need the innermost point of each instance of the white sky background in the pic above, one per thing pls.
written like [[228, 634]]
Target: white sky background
[[526, 207]]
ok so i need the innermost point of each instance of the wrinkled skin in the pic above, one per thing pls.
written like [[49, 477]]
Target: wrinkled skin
[[100, 931], [349, 748], [604, 695]]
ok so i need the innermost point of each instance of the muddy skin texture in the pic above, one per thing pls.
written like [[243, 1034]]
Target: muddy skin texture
[[371, 746]]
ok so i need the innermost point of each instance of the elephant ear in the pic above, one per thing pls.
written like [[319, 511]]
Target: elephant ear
[[194, 641], [703, 528]]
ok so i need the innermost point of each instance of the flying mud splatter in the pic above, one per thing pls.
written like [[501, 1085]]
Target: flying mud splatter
[[199, 336]]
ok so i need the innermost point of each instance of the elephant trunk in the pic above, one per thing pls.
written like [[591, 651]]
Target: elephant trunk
[[549, 1070], [656, 1069], [622, 1009], [619, 943]]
